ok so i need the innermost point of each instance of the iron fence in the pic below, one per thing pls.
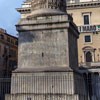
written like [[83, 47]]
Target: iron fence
[[5, 86], [90, 86]]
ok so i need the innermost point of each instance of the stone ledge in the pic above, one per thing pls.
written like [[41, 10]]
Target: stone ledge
[[45, 69]]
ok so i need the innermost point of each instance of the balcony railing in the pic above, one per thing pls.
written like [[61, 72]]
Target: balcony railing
[[89, 28], [89, 64]]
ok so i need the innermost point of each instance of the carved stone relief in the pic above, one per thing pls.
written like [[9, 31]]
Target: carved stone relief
[[37, 4], [52, 4]]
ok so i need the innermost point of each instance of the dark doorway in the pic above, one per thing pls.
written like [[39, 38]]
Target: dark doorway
[[88, 57]]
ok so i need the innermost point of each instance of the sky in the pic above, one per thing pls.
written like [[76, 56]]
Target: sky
[[9, 16]]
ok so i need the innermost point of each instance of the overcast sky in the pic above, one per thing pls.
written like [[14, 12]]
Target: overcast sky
[[8, 15]]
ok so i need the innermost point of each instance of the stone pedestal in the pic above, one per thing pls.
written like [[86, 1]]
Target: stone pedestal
[[63, 85], [47, 55]]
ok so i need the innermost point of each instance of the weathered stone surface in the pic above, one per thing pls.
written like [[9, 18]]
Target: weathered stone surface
[[47, 85], [59, 5], [48, 46], [42, 97], [43, 83], [43, 49]]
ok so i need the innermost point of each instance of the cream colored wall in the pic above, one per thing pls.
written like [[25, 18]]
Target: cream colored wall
[[95, 44], [87, 0], [78, 19], [95, 20]]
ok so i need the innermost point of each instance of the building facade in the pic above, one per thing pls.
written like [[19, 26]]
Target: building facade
[[8, 53], [86, 15]]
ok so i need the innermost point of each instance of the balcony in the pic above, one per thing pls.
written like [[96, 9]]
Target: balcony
[[89, 28], [89, 64]]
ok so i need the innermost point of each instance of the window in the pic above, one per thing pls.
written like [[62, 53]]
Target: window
[[12, 41], [16, 42], [86, 18], [12, 53], [88, 56], [87, 38], [8, 39], [2, 36]]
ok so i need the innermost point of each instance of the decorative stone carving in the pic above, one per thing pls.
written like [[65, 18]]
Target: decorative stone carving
[[37, 4], [52, 4]]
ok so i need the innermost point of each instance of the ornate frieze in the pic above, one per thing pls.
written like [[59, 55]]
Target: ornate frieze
[[38, 4], [52, 4], [56, 4]]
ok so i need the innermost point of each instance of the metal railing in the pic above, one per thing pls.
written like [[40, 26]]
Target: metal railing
[[89, 83], [5, 85], [89, 64]]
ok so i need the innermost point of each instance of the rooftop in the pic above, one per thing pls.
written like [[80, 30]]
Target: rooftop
[[5, 32]]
